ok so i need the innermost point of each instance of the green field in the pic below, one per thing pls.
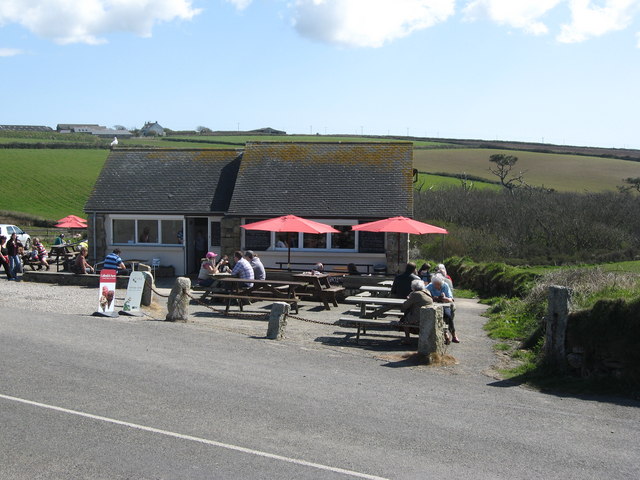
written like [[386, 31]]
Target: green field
[[428, 181], [48, 183], [562, 172]]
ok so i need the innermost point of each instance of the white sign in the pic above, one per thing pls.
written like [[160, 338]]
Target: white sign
[[107, 291], [134, 292]]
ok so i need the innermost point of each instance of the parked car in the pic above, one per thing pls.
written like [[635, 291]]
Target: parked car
[[23, 236]]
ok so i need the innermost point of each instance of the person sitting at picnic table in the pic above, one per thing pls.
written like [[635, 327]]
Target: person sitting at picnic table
[[208, 267], [352, 269], [114, 262], [424, 272], [59, 240], [242, 269], [259, 272], [41, 253], [417, 299], [223, 265], [442, 270], [441, 293], [317, 268], [81, 266], [401, 287]]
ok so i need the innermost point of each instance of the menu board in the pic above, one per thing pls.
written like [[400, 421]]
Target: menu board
[[371, 242]]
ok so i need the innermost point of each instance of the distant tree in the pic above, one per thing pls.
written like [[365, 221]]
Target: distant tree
[[633, 183], [201, 130], [118, 127], [502, 170]]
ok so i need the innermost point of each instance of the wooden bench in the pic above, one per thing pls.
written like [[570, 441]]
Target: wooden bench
[[241, 298]]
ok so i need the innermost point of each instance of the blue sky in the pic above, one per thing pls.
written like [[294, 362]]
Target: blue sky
[[558, 71]]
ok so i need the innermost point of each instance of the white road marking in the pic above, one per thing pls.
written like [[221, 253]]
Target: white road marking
[[213, 443]]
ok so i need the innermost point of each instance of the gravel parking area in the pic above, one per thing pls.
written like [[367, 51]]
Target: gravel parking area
[[474, 354]]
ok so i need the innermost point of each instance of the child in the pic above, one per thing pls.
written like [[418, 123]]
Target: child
[[40, 254]]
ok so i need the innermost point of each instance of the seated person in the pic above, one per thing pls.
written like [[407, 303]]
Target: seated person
[[242, 269], [401, 287], [59, 240], [223, 265], [352, 269], [114, 262], [418, 298], [424, 272], [207, 268], [41, 253], [81, 266], [441, 293], [441, 269], [258, 268], [317, 268]]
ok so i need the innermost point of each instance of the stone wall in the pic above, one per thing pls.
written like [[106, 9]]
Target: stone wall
[[97, 245], [230, 236], [393, 265]]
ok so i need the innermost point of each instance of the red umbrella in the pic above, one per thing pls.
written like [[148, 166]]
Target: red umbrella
[[399, 225], [70, 223], [290, 224], [72, 217]]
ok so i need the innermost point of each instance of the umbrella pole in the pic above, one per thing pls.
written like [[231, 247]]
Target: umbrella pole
[[442, 249], [289, 251], [399, 270]]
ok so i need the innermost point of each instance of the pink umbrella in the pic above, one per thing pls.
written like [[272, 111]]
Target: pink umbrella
[[399, 225], [70, 223], [290, 224], [72, 217]]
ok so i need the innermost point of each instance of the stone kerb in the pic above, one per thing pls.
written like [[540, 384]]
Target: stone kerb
[[178, 302], [278, 321]]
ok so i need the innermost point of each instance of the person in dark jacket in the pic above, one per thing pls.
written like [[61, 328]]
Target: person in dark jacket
[[401, 287], [4, 258]]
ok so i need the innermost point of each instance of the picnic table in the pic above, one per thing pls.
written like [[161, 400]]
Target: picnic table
[[386, 283], [321, 287], [376, 290], [374, 307], [265, 290], [62, 253]]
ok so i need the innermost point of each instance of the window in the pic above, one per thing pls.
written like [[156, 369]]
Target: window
[[147, 230], [172, 233], [345, 240], [216, 237], [311, 240], [124, 231]]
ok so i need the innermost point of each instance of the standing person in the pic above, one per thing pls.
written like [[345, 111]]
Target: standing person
[[401, 287], [41, 253], [417, 299], [200, 247], [207, 268], [14, 250], [242, 269], [4, 258], [114, 262], [258, 268], [441, 293]]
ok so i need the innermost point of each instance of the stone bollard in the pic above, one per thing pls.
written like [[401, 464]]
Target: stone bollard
[[178, 303], [431, 338], [556, 326], [147, 292], [277, 320]]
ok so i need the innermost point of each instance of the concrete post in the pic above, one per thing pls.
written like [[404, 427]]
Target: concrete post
[[277, 320], [147, 293], [178, 303], [431, 338], [556, 326]]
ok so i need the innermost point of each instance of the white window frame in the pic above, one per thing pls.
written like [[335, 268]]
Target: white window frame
[[158, 218]]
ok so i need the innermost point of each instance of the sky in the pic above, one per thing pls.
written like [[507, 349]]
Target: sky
[[551, 71]]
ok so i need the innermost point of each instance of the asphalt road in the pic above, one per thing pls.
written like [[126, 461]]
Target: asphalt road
[[133, 399]]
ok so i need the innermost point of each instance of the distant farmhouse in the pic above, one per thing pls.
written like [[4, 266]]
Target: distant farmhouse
[[152, 130], [93, 129], [26, 128], [174, 194]]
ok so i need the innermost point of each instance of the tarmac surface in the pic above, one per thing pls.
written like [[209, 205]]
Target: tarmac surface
[[136, 398]]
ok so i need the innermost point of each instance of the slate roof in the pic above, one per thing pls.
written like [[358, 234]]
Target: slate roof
[[353, 180], [26, 128], [165, 181]]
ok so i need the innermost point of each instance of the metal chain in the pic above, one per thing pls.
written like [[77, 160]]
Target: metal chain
[[311, 321]]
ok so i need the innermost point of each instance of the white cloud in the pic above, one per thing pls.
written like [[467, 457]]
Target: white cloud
[[87, 21], [588, 20], [522, 14], [240, 4], [367, 23], [10, 52]]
